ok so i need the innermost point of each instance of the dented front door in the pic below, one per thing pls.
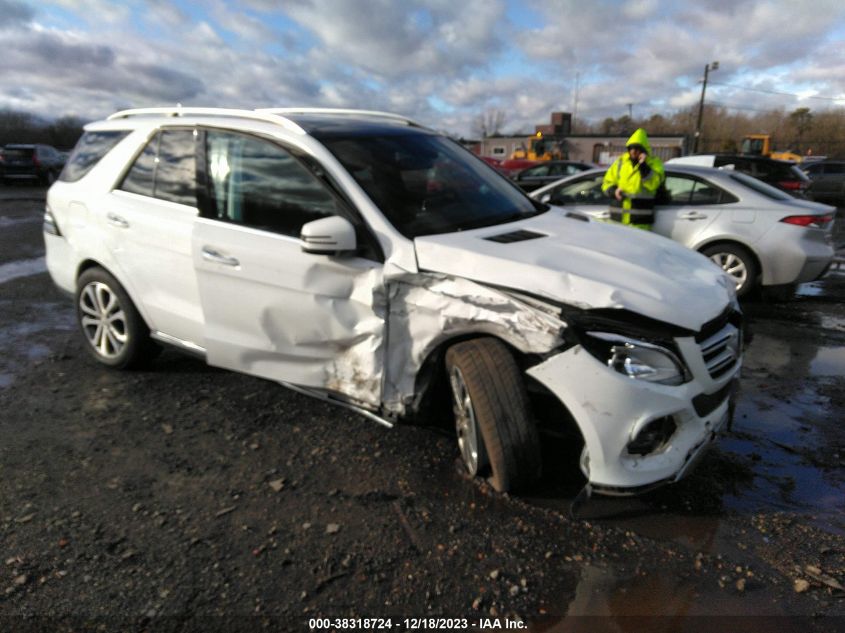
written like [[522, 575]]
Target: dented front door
[[276, 312]]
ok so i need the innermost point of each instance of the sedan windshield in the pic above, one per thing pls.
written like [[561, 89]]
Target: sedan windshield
[[426, 184]]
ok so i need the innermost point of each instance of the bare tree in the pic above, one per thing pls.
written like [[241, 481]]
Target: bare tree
[[489, 123]]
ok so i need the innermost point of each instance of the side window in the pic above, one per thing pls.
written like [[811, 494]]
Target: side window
[[498, 151], [581, 192], [703, 193], [533, 172], [679, 189], [175, 175], [88, 152], [139, 178], [259, 184]]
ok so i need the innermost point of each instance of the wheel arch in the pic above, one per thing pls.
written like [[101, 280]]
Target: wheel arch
[[89, 263], [732, 241]]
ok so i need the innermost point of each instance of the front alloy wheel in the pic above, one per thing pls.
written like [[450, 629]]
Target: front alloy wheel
[[466, 426]]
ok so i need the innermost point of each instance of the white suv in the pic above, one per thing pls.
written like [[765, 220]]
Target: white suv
[[364, 259]]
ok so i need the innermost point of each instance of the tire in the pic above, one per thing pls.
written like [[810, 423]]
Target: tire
[[496, 433], [737, 262], [115, 333]]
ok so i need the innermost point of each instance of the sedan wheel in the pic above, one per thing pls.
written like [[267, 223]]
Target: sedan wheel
[[736, 262]]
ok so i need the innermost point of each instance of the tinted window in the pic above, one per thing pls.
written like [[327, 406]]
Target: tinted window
[[834, 168], [259, 184], [175, 175], [426, 184], [139, 179], [88, 152]]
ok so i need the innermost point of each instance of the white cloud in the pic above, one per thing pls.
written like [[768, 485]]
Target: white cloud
[[465, 57]]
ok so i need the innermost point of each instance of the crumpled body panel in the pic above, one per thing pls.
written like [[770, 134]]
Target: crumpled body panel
[[426, 309]]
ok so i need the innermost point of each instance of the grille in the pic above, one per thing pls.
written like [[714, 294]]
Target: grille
[[514, 236], [721, 351]]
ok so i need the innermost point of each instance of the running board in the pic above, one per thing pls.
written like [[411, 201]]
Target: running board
[[326, 397], [185, 346]]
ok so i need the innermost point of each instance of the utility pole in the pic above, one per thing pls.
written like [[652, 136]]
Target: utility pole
[[630, 110], [575, 105], [707, 69]]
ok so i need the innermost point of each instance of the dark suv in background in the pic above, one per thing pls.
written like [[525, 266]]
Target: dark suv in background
[[41, 163], [782, 174], [827, 181]]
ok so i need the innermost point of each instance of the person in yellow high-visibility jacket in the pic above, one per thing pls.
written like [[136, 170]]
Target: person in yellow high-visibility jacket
[[632, 182]]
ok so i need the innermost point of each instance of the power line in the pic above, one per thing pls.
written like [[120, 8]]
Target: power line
[[728, 106], [777, 92]]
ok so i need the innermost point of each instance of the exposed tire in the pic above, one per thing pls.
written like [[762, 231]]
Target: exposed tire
[[737, 262], [115, 333], [496, 433]]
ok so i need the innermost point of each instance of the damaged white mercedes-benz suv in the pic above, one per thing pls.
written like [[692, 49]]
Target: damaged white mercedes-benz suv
[[364, 259]]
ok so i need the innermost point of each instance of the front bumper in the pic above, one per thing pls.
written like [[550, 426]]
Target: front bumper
[[611, 409]]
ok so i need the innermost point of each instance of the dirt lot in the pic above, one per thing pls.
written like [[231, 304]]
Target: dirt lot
[[185, 498]]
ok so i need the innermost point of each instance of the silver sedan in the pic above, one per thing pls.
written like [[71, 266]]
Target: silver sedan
[[756, 233]]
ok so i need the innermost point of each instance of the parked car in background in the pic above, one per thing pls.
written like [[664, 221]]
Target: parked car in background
[[23, 162], [363, 259], [547, 172], [782, 174], [758, 234], [827, 181]]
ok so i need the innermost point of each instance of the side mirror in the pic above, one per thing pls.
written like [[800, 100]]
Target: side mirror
[[328, 236]]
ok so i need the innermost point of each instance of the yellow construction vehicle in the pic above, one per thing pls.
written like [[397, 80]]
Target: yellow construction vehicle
[[539, 148], [761, 145]]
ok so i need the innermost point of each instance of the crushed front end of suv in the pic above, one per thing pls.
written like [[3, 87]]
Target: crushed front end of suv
[[364, 259]]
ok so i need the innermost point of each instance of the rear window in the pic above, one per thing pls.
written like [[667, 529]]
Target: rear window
[[761, 187], [19, 153], [89, 151]]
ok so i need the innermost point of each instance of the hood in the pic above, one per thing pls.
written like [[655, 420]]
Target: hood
[[585, 264], [640, 138]]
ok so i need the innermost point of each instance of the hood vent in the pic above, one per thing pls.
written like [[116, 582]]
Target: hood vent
[[514, 236]]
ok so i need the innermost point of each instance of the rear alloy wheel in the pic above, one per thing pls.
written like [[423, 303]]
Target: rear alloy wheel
[[114, 331], [737, 262], [496, 434]]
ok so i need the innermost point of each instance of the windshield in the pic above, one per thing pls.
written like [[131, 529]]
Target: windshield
[[426, 184], [760, 187]]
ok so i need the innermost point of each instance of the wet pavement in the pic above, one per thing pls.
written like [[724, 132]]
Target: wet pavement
[[184, 491]]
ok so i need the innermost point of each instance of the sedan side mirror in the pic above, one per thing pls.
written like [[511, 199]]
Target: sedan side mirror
[[328, 236]]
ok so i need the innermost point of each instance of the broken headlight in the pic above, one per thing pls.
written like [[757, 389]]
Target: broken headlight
[[636, 359]]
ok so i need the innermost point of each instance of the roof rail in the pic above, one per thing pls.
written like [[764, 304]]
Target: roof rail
[[179, 111], [341, 111]]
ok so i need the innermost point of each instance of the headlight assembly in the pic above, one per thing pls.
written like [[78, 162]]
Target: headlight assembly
[[636, 359]]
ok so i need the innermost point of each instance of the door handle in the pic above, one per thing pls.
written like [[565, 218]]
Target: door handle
[[116, 220], [211, 255], [693, 215]]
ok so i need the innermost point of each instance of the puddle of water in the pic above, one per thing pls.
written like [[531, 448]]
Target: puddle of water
[[22, 268], [609, 600], [829, 361], [812, 289]]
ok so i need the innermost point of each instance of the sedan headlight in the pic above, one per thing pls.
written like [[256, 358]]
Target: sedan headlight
[[637, 359]]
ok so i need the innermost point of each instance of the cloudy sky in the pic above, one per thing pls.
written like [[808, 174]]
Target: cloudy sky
[[442, 62]]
